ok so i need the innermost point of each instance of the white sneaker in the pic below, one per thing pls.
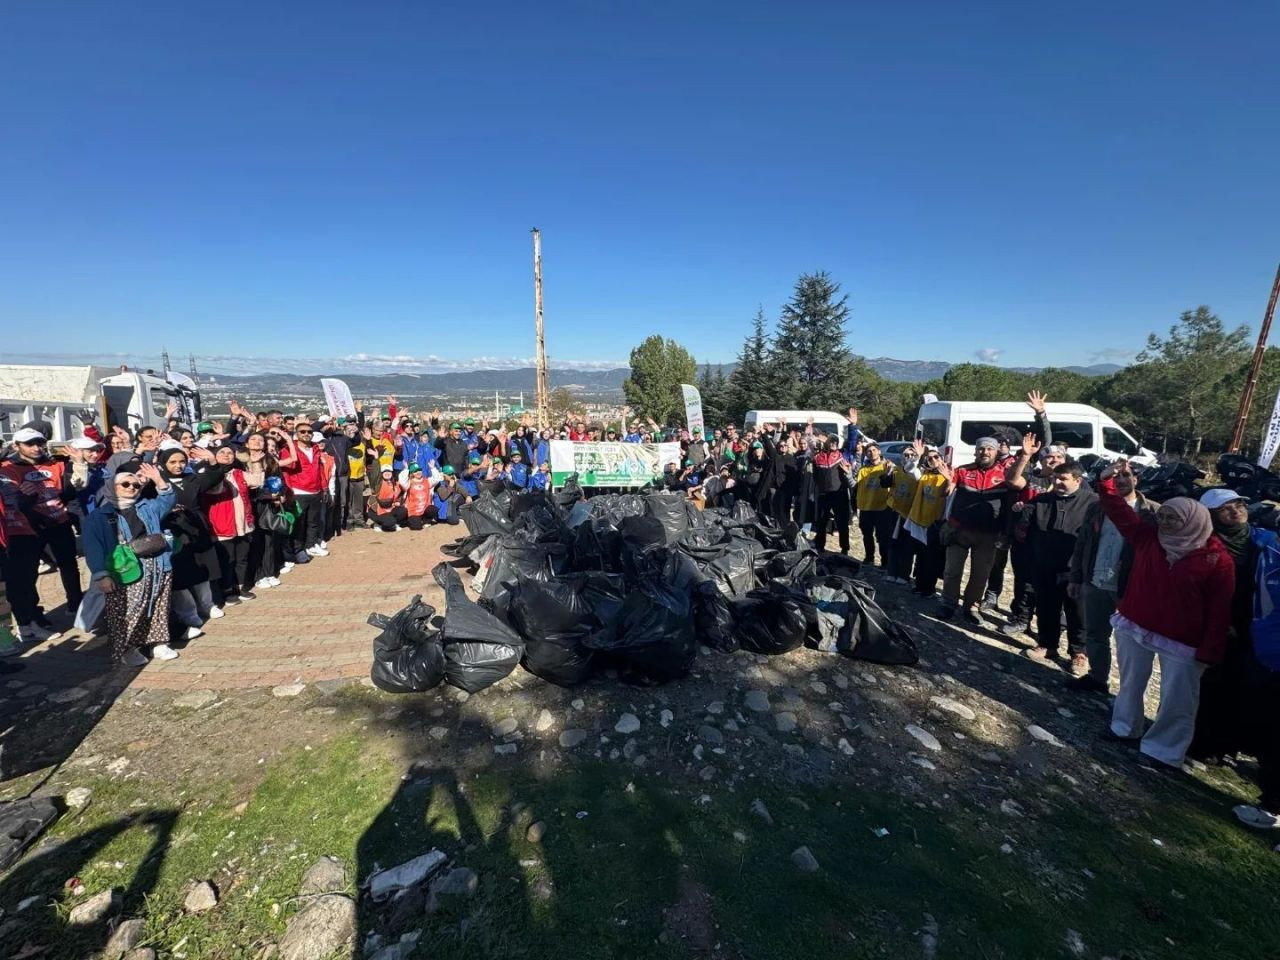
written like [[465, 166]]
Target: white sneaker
[[45, 567], [320, 551], [193, 632], [162, 651], [286, 566], [263, 584], [216, 613], [274, 581], [395, 527], [134, 658], [323, 544], [33, 633]]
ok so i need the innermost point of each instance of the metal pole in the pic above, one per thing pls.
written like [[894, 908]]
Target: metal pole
[[1255, 365], [542, 397]]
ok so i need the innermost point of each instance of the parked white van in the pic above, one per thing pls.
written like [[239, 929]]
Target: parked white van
[[824, 421], [953, 426]]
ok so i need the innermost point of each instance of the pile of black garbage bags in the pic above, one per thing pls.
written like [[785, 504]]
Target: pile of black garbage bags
[[634, 582]]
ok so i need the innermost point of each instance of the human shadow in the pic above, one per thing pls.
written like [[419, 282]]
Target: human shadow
[[44, 874]]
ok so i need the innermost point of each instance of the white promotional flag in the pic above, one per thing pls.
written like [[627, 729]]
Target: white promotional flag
[[1271, 439], [338, 396], [692, 406]]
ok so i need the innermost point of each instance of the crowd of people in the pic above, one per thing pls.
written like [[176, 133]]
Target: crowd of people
[[176, 527]]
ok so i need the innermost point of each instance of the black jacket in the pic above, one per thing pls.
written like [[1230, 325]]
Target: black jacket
[[454, 452], [1053, 525], [1086, 551]]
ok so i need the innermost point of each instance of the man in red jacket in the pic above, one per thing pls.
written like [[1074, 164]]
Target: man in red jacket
[[975, 516]]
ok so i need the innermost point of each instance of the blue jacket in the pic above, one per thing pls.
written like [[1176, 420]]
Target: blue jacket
[[99, 535], [420, 451], [519, 475], [540, 481], [850, 443], [1266, 598], [536, 451]]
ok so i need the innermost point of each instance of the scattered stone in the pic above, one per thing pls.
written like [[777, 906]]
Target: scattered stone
[[26, 904], [731, 725], [756, 701], [1011, 808], [124, 939], [458, 882], [195, 699], [785, 722], [322, 928], [793, 750], [505, 749], [923, 762], [1065, 713], [203, 897], [78, 797], [1006, 848], [326, 875], [1075, 943], [505, 727], [665, 718], [571, 738], [627, 723], [410, 873], [841, 681], [715, 707], [954, 706], [760, 810], [710, 735], [288, 689], [845, 747], [707, 773], [537, 830], [99, 907], [439, 733], [1040, 733], [739, 836], [929, 937], [68, 695], [630, 749], [141, 953], [118, 766], [240, 808], [545, 721], [927, 739], [577, 704], [805, 861]]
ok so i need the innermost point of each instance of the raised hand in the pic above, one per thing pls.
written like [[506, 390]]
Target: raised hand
[[1035, 400], [918, 446], [1030, 445], [853, 416]]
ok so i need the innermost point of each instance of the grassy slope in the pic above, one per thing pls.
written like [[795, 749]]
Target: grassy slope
[[606, 879]]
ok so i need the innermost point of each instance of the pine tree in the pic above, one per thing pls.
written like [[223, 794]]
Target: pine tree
[[712, 389], [747, 388], [658, 368], [809, 363]]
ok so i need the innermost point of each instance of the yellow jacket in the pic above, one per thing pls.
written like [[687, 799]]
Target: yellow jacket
[[386, 451], [930, 499], [871, 496], [903, 492], [355, 458]]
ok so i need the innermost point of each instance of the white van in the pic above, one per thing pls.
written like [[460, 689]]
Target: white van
[[824, 421], [953, 426]]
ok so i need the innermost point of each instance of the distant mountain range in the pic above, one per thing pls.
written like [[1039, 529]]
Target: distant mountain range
[[596, 382]]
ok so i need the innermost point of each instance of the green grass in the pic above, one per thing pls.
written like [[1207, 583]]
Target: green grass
[[597, 886]]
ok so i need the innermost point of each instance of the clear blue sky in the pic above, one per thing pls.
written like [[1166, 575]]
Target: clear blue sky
[[323, 180]]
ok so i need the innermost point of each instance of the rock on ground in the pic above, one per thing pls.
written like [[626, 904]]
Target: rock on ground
[[124, 939], [1044, 736], [78, 797], [97, 908], [458, 882], [545, 721], [202, 897], [324, 927], [805, 861], [757, 701], [627, 723], [288, 689], [927, 739], [536, 832], [954, 706], [571, 738], [140, 953], [785, 722], [195, 699], [326, 875], [506, 727], [386, 882], [760, 810]]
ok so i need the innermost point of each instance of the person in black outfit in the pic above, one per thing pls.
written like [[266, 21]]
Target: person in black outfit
[[787, 474], [454, 451], [831, 479], [1056, 519]]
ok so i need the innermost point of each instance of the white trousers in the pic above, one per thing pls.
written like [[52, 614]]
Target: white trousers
[[1175, 723], [191, 606]]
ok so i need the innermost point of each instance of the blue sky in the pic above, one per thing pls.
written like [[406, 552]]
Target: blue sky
[[264, 182]]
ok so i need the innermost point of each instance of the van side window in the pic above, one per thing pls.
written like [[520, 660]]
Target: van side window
[[934, 432], [159, 402], [1073, 434], [1117, 441]]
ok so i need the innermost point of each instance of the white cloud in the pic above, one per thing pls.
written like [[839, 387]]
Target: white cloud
[[1117, 355], [988, 354]]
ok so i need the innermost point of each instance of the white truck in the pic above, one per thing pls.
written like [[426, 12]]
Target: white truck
[[65, 396]]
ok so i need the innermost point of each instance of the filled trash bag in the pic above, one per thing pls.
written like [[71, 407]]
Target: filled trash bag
[[1169, 480], [541, 524], [713, 618], [485, 515], [479, 649], [407, 655], [568, 495], [22, 822], [837, 565], [769, 622], [671, 513], [728, 560], [511, 557], [655, 638], [464, 547], [554, 617], [866, 631], [793, 566]]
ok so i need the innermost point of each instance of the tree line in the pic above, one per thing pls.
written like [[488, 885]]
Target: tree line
[[1180, 394]]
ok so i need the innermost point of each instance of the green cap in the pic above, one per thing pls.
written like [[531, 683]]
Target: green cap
[[455, 425], [475, 458], [447, 470], [689, 463], [470, 421], [204, 426], [414, 468], [342, 421], [757, 445]]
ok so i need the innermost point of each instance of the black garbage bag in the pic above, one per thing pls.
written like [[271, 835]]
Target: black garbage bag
[[744, 512], [640, 536], [554, 617], [793, 566], [597, 545], [654, 639], [485, 515], [479, 649], [769, 622], [542, 524], [605, 593], [837, 565], [868, 633], [407, 654], [1169, 480], [512, 557], [713, 618], [1263, 514], [671, 510], [22, 822], [567, 495]]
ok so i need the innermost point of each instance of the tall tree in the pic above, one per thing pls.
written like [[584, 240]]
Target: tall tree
[[658, 367], [1192, 374], [712, 387], [809, 360], [748, 386]]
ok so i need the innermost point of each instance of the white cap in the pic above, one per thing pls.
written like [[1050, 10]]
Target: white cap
[[168, 443], [27, 435], [1220, 497], [84, 443]]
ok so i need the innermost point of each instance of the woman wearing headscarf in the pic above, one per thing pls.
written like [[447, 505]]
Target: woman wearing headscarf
[[195, 560], [138, 592], [1176, 607]]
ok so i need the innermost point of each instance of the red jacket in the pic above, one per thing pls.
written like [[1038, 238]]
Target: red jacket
[[306, 473], [1189, 601], [220, 506]]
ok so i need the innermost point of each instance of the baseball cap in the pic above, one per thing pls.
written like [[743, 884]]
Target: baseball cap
[[470, 421], [414, 468], [475, 458], [204, 426], [447, 470], [516, 455], [27, 435], [455, 425], [1220, 497], [84, 443]]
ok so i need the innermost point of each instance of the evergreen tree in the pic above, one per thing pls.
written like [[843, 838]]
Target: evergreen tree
[[711, 388], [747, 387], [658, 368], [809, 363]]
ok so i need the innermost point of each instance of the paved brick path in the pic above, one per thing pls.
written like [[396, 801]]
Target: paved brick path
[[310, 628]]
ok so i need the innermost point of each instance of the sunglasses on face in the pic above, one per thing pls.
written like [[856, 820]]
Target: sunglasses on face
[[304, 433], [129, 485]]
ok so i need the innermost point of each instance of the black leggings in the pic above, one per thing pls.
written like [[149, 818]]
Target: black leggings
[[834, 504], [396, 516], [22, 565]]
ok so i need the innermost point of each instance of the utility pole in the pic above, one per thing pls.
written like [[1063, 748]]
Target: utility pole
[[1255, 365], [191, 362], [542, 394], [164, 359]]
